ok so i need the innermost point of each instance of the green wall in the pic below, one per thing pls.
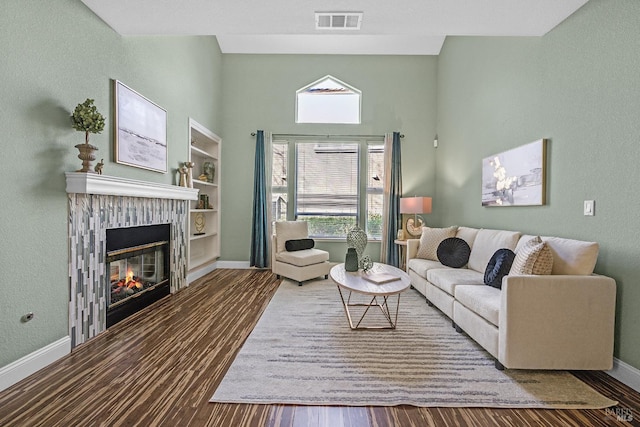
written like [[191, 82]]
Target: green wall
[[54, 57], [398, 94], [577, 86]]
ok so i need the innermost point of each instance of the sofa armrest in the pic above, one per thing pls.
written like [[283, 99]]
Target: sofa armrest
[[412, 250], [557, 322], [273, 250]]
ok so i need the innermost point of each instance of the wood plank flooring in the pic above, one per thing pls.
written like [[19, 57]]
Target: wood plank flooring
[[161, 369]]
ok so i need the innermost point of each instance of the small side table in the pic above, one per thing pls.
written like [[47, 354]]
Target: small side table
[[403, 253]]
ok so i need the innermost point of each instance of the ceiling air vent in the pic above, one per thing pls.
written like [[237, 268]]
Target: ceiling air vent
[[338, 20]]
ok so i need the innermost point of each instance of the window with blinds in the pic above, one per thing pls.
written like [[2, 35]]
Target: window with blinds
[[279, 180], [327, 187], [375, 163], [330, 183]]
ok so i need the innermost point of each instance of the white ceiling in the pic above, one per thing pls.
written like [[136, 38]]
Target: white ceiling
[[409, 27]]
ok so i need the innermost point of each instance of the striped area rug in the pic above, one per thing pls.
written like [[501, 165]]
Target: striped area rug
[[302, 352]]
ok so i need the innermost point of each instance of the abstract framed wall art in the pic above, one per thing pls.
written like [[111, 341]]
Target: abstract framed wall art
[[516, 177], [140, 130]]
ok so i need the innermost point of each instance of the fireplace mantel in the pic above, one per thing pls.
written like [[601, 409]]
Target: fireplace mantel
[[91, 183]]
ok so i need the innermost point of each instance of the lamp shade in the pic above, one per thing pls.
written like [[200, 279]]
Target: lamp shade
[[415, 205]]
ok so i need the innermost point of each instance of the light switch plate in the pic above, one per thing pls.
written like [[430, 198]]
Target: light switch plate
[[589, 208]]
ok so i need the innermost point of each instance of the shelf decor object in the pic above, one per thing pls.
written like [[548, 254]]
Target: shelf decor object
[[414, 205], [182, 170], [209, 170], [140, 129], [87, 119], [200, 222], [189, 166], [204, 202]]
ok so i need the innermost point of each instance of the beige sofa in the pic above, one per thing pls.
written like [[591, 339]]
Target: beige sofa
[[564, 320]]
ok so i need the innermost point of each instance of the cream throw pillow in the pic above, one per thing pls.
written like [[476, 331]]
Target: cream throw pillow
[[431, 239], [573, 257], [534, 257]]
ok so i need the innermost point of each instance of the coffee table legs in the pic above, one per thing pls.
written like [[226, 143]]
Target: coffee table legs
[[392, 318]]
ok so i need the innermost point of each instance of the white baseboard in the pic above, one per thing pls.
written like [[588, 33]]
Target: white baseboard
[[202, 272], [240, 265], [33, 362], [195, 275], [626, 374]]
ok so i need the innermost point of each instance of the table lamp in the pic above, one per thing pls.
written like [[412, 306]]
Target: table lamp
[[415, 205]]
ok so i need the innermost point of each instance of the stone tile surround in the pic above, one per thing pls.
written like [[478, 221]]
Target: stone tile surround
[[89, 217]]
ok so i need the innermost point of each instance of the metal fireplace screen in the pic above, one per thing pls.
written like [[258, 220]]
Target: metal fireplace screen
[[138, 269], [135, 270]]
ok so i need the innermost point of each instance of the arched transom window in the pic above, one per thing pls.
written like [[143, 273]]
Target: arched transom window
[[328, 100]]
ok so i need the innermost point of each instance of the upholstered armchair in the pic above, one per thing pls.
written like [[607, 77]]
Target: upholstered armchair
[[293, 255]]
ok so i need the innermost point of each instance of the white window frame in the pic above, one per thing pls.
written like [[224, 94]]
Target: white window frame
[[331, 91], [361, 217]]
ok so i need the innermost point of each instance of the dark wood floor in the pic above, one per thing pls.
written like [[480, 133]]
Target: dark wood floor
[[161, 370]]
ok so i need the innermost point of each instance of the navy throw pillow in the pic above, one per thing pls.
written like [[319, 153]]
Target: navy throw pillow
[[298, 244], [453, 252], [498, 267]]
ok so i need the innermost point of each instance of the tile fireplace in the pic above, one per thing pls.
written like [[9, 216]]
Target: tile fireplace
[[99, 204]]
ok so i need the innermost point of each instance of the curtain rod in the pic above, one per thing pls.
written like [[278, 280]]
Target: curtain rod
[[327, 136]]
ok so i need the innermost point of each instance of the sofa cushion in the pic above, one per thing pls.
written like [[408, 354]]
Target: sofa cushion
[[298, 244], [572, 256], [448, 278], [453, 252], [487, 242], [482, 300], [289, 230], [467, 234], [421, 266], [498, 267], [534, 257], [430, 239], [304, 257]]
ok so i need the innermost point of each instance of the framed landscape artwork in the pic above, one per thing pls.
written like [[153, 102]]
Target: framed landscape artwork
[[140, 130], [515, 177]]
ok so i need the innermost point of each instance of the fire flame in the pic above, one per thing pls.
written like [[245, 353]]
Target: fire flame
[[130, 282], [126, 286]]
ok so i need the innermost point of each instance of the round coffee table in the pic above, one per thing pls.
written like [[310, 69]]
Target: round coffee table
[[380, 293]]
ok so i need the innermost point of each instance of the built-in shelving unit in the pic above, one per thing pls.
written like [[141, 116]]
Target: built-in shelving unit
[[204, 219]]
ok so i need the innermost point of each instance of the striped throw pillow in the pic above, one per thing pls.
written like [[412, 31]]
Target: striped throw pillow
[[534, 257]]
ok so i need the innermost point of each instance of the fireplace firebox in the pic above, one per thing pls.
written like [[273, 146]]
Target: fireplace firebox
[[137, 269]]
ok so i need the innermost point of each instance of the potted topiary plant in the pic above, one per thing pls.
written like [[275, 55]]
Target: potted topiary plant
[[87, 119]]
